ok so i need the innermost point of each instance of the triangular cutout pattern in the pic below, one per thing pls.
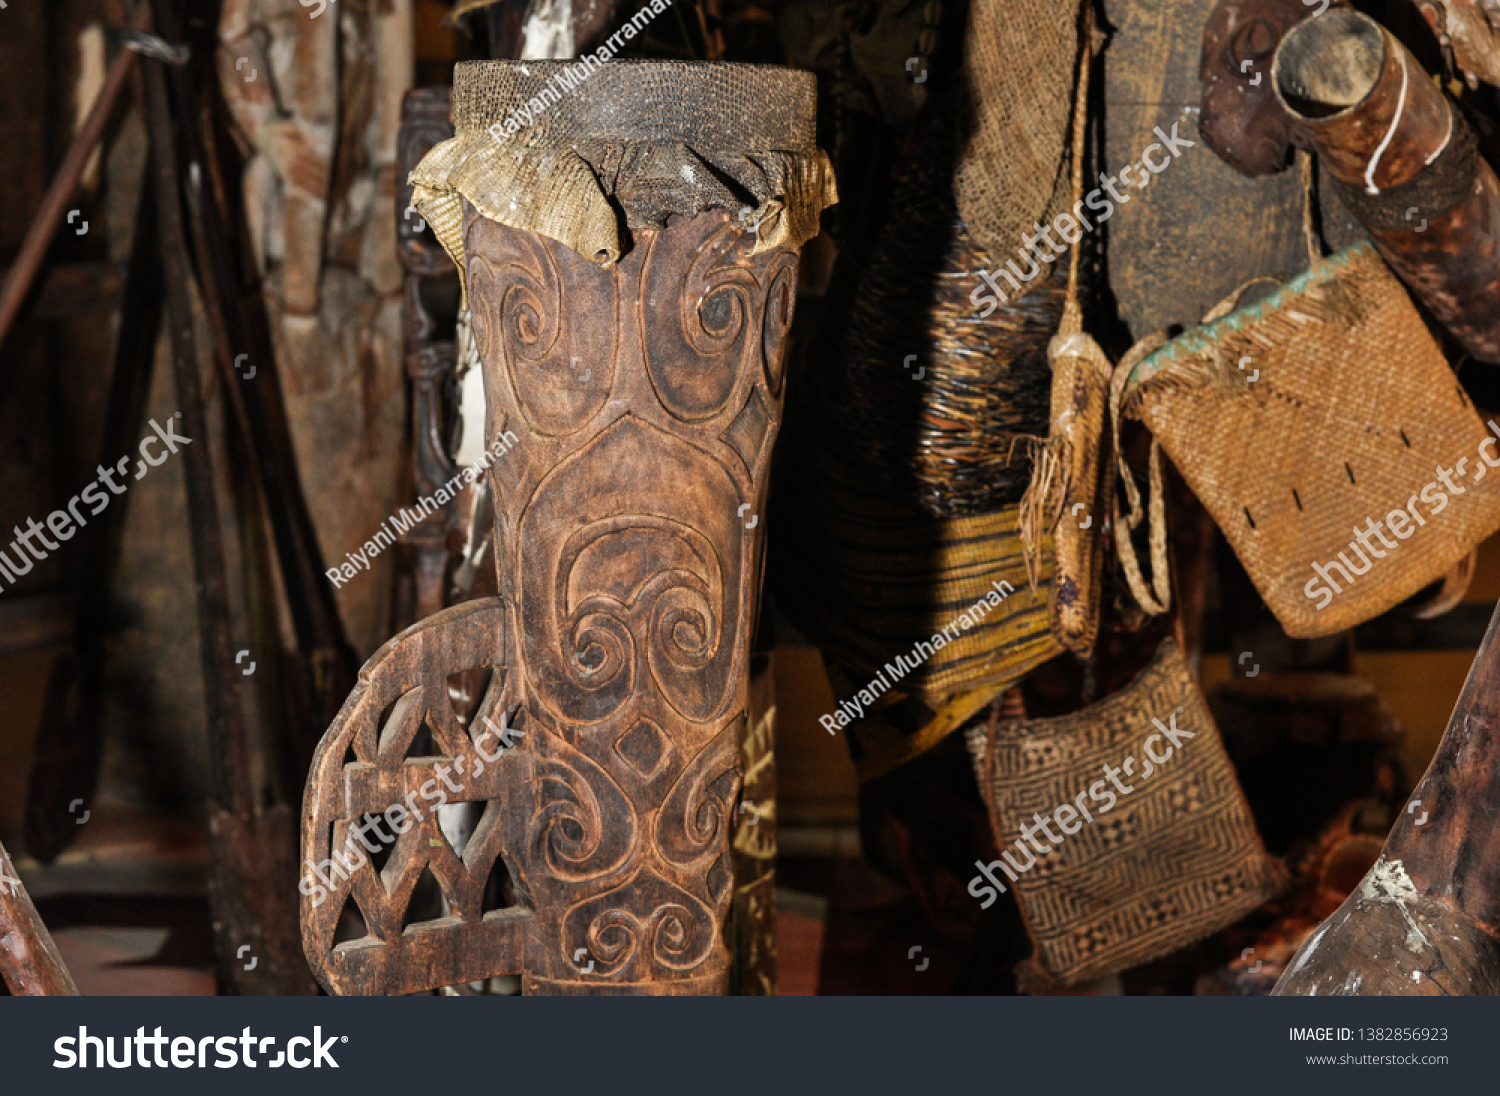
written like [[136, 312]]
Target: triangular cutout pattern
[[426, 902], [351, 927], [402, 729], [499, 889], [466, 691]]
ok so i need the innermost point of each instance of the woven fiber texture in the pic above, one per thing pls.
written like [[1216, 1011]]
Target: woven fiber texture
[[901, 468], [1350, 417], [1066, 487], [1017, 95], [1065, 481], [586, 154], [941, 403], [866, 577], [1165, 863]]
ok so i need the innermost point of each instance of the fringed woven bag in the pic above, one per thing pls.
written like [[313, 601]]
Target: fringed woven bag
[[1148, 843], [1328, 437], [1064, 497]]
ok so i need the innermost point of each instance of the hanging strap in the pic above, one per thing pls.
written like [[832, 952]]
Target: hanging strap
[[1156, 598], [1309, 196], [1124, 547], [1072, 317], [1041, 505]]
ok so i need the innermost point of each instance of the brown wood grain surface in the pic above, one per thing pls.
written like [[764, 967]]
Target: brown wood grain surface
[[1182, 242], [1426, 919], [632, 411], [29, 960]]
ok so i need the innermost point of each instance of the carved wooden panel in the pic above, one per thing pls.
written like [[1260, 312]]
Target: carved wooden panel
[[393, 756], [425, 121], [639, 405], [430, 358]]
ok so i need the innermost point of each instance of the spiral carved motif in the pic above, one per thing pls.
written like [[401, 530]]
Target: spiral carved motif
[[631, 574], [557, 368], [641, 405], [584, 827]]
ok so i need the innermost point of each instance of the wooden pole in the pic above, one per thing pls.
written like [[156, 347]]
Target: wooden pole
[[250, 885], [29, 959], [66, 764], [23, 271]]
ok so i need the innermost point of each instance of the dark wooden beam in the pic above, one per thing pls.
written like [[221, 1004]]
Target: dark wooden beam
[[29, 622], [66, 290]]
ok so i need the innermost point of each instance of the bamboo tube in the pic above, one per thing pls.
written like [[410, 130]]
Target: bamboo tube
[[1404, 163]]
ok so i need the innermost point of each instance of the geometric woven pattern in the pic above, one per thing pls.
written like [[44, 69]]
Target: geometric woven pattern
[[1166, 856]]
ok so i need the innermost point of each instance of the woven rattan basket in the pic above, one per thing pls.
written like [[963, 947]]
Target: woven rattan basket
[[1304, 419], [905, 483], [938, 402]]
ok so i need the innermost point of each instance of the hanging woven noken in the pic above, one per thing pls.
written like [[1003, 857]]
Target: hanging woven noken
[[870, 572], [1157, 857], [954, 427], [1302, 420]]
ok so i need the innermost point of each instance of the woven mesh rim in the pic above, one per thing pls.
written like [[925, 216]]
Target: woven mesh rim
[[588, 154], [712, 105]]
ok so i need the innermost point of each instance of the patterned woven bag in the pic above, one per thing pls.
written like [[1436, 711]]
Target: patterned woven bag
[[1328, 437], [1155, 847]]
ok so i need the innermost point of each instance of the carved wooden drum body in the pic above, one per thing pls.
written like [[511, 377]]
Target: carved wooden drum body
[[631, 409]]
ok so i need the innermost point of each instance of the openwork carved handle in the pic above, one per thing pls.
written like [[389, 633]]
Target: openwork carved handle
[[395, 755]]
